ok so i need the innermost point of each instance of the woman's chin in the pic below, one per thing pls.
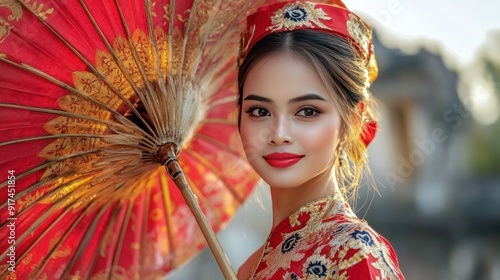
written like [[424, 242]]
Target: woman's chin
[[285, 183]]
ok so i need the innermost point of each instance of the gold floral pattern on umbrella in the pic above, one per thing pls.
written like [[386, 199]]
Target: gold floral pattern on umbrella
[[89, 93]]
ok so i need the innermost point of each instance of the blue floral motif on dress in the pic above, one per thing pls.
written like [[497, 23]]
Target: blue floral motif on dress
[[317, 268], [290, 243], [296, 14], [363, 236]]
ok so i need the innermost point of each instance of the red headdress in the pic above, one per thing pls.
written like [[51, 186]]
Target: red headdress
[[332, 18]]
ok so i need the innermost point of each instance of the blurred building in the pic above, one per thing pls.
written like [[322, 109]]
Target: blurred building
[[441, 217]]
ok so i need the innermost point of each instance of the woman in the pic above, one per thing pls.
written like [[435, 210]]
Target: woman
[[305, 123]]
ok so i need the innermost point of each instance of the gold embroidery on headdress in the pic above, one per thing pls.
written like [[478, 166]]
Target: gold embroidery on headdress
[[359, 32], [296, 15]]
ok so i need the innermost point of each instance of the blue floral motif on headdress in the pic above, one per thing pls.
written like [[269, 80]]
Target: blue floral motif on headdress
[[296, 14]]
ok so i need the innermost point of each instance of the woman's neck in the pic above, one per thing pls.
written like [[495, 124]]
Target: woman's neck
[[285, 201]]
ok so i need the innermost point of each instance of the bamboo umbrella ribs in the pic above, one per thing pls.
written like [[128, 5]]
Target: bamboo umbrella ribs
[[98, 99]]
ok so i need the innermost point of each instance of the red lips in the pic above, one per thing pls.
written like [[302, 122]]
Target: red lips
[[282, 160]]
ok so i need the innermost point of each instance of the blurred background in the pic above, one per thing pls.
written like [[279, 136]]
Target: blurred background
[[436, 158]]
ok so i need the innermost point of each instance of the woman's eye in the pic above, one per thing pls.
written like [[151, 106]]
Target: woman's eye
[[308, 112], [258, 112]]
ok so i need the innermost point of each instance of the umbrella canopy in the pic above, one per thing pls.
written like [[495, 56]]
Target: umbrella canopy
[[90, 92]]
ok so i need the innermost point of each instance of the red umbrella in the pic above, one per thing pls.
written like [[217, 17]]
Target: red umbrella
[[95, 97]]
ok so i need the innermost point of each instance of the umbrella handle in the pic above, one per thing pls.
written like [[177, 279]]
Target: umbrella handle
[[175, 172]]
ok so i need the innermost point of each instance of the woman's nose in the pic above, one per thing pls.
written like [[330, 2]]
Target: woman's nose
[[280, 132]]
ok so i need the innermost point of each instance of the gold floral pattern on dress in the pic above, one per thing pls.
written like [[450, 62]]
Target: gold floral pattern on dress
[[359, 32], [276, 258], [339, 245], [299, 14], [360, 243], [316, 210]]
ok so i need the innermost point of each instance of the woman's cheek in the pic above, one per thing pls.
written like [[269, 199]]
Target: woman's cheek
[[253, 137], [319, 133]]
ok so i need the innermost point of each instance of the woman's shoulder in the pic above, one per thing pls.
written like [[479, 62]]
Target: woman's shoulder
[[351, 248], [357, 249], [343, 229]]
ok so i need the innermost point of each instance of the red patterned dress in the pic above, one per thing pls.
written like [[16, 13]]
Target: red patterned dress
[[325, 240]]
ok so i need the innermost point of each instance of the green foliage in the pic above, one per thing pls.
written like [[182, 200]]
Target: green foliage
[[485, 141]]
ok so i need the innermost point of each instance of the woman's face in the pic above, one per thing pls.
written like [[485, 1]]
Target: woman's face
[[289, 123]]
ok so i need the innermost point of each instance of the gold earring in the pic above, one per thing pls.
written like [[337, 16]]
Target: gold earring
[[343, 156]]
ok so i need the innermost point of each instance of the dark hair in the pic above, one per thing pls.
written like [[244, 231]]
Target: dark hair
[[344, 73]]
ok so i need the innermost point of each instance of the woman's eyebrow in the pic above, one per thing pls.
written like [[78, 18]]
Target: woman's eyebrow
[[258, 98], [310, 96], [306, 97]]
